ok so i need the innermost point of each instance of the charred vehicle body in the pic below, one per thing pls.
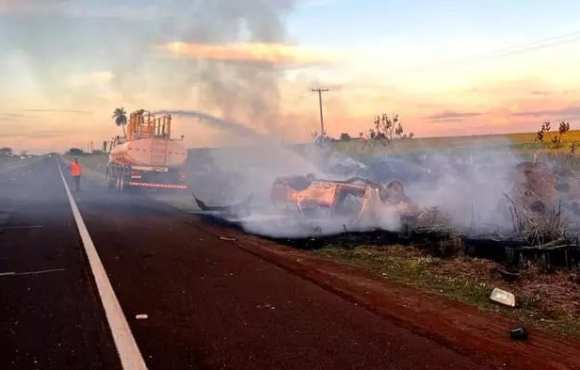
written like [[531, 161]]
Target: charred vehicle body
[[355, 202], [358, 197]]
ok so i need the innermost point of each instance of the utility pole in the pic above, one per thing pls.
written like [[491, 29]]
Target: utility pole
[[320, 91]]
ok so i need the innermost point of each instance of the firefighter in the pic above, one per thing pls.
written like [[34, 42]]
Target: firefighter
[[75, 172]]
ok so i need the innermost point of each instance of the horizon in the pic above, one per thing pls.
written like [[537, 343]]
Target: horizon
[[447, 68]]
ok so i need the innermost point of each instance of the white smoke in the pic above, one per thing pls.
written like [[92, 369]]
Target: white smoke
[[470, 187], [467, 186]]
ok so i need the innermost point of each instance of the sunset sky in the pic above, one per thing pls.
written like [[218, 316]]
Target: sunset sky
[[446, 67]]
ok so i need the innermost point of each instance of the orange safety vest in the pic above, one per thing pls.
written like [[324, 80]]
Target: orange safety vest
[[75, 169]]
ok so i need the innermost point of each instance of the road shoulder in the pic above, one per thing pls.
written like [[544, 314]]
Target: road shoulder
[[459, 326]]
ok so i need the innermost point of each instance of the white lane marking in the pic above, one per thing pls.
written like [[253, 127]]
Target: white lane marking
[[38, 272], [127, 349], [21, 227]]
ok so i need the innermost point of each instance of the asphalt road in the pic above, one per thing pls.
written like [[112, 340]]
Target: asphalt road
[[210, 304], [50, 315]]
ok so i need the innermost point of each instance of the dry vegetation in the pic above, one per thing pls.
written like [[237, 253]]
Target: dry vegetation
[[525, 142], [551, 301]]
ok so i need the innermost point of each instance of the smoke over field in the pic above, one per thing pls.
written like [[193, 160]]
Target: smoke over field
[[467, 189]]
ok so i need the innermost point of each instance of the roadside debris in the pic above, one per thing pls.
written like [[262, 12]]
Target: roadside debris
[[266, 306], [509, 276], [503, 297], [228, 239], [234, 210], [519, 333]]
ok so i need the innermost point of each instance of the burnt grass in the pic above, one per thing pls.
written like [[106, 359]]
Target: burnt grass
[[348, 239], [436, 242]]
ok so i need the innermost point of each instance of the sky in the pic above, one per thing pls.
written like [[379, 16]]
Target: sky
[[446, 67]]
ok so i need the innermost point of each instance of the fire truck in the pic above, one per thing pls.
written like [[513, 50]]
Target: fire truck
[[147, 157]]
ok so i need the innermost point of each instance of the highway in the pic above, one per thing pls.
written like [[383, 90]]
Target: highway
[[204, 302], [51, 316]]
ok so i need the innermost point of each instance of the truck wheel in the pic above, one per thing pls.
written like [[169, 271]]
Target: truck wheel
[[110, 184], [110, 180], [118, 181]]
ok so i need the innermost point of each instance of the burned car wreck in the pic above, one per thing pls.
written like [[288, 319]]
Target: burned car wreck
[[355, 203], [360, 200], [306, 206]]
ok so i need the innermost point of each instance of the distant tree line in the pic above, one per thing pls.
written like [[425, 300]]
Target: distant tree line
[[6, 152], [75, 151], [384, 130]]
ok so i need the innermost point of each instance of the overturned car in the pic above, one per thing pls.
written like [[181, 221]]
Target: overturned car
[[306, 205], [358, 200]]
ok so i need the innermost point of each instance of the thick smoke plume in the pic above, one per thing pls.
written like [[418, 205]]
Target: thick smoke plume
[[241, 90], [466, 187], [128, 67]]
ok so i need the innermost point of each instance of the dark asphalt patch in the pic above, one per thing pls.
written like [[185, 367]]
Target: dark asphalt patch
[[49, 320]]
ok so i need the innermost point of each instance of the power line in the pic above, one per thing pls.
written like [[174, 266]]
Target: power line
[[545, 43], [320, 91], [538, 44]]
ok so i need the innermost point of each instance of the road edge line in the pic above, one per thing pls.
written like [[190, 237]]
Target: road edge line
[[127, 349]]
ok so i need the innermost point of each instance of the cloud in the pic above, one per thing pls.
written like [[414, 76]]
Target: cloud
[[95, 78], [541, 93], [10, 116], [71, 111], [36, 134], [15, 129], [571, 111], [307, 4], [29, 5], [30, 113], [248, 52], [556, 93], [450, 116]]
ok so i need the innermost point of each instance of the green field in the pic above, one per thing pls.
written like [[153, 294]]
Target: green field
[[522, 142], [97, 162]]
